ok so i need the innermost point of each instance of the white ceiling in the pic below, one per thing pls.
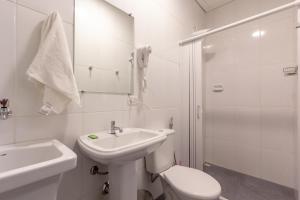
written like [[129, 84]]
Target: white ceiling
[[209, 5]]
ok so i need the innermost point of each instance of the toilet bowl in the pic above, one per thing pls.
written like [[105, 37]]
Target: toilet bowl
[[179, 182], [190, 184]]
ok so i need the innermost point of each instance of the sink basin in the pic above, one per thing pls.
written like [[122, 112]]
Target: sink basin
[[129, 145], [120, 152], [23, 164]]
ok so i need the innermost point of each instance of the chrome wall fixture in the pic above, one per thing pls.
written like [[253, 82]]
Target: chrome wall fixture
[[5, 112]]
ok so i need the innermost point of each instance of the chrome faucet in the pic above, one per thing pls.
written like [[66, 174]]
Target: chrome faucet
[[113, 128], [5, 112]]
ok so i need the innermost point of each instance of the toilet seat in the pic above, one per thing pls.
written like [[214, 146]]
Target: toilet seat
[[192, 183]]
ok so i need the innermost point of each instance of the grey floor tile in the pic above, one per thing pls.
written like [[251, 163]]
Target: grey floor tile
[[237, 186]]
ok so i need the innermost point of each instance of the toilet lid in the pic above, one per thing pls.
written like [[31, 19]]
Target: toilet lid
[[192, 183]]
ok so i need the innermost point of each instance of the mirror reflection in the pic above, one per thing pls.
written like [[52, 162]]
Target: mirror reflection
[[104, 44]]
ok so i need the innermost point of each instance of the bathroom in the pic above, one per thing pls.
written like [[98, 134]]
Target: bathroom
[[222, 74]]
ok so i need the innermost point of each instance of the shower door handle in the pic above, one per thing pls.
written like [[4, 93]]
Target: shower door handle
[[199, 111]]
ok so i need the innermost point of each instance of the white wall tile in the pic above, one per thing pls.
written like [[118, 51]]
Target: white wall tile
[[72, 129], [224, 121], [247, 79], [136, 117], [283, 31], [104, 102], [100, 121], [209, 115], [127, 6], [162, 76], [255, 114], [39, 127], [225, 154], [221, 76], [28, 96], [159, 118], [157, 23], [278, 129], [247, 157], [277, 89], [248, 126], [8, 49], [183, 11], [276, 161], [208, 149], [7, 64], [65, 8], [7, 131]]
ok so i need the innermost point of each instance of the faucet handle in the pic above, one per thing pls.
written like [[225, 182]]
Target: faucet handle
[[4, 103]]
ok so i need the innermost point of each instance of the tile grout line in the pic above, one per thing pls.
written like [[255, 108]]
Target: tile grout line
[[38, 11], [15, 72]]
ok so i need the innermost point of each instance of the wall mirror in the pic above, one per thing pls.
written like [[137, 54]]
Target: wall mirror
[[104, 46]]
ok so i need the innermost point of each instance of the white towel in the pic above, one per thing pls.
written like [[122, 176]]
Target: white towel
[[52, 67]]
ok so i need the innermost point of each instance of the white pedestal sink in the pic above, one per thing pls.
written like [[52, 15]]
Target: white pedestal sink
[[120, 152]]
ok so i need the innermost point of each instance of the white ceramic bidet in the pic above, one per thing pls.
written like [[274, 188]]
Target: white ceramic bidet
[[32, 170]]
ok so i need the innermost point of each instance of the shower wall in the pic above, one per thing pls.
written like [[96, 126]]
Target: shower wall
[[250, 126]]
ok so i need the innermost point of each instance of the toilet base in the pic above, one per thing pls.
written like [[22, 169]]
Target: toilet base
[[170, 194]]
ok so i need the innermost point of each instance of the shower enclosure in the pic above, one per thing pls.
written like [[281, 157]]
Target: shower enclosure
[[241, 115]]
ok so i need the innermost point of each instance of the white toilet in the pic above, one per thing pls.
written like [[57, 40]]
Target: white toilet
[[180, 183]]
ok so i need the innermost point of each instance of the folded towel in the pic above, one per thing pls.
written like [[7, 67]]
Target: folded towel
[[52, 67]]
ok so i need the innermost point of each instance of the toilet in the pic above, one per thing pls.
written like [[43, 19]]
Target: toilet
[[179, 182]]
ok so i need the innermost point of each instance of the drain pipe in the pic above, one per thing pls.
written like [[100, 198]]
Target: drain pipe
[[95, 171]]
